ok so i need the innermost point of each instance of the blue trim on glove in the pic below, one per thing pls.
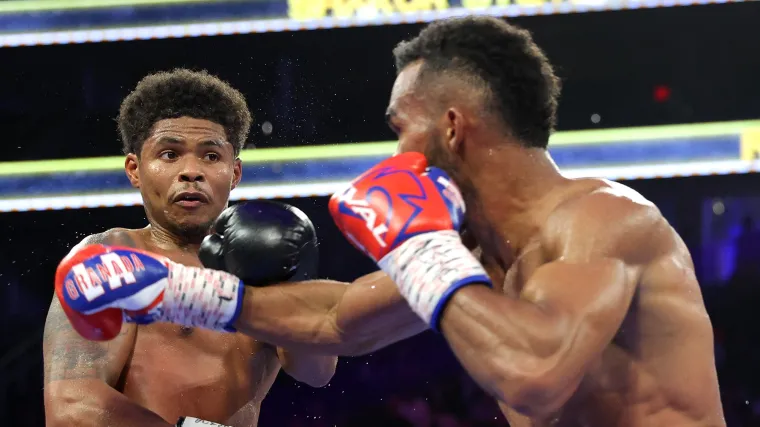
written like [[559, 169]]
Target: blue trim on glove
[[238, 308], [435, 320]]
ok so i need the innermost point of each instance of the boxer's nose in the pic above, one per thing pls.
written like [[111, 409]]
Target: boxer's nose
[[191, 172], [190, 176]]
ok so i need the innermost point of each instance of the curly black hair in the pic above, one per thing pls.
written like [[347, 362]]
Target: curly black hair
[[523, 89], [182, 93]]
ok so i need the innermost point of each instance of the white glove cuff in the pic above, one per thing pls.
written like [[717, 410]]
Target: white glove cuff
[[202, 297], [429, 268]]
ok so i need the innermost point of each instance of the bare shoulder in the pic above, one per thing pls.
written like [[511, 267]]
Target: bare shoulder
[[610, 220], [114, 236]]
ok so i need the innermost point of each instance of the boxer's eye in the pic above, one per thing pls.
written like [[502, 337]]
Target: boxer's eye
[[212, 157], [168, 155]]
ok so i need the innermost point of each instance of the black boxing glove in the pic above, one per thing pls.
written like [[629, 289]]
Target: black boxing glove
[[262, 243]]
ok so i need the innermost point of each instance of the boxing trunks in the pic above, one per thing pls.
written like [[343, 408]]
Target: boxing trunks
[[192, 422]]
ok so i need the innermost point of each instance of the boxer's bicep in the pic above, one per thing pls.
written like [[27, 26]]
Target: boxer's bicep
[[68, 356], [590, 299], [601, 243]]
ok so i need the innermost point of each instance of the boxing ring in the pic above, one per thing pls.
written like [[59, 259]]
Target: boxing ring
[[616, 154], [76, 187]]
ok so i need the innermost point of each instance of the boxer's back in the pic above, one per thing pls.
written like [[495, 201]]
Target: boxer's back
[[175, 371], [659, 369]]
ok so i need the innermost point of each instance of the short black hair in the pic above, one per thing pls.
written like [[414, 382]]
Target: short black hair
[[182, 93], [522, 86]]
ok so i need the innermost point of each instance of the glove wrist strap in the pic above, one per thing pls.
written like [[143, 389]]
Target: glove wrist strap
[[429, 268], [202, 297]]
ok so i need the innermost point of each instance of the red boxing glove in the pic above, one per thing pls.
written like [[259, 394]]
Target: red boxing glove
[[406, 217], [395, 200]]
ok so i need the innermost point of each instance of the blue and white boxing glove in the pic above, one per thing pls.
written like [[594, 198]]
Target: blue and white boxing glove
[[100, 287]]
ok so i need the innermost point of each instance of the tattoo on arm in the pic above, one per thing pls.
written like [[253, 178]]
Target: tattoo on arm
[[69, 356]]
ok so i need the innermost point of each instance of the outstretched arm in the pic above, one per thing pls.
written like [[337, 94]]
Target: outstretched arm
[[329, 317]]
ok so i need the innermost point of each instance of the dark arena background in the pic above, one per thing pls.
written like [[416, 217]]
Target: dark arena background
[[663, 96]]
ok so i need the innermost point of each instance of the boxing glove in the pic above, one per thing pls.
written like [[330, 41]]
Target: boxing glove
[[407, 217], [99, 287], [262, 243]]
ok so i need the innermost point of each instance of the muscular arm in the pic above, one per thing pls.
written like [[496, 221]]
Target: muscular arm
[[532, 352], [80, 374], [328, 317]]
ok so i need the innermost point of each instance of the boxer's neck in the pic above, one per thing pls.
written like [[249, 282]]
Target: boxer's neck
[[514, 192], [165, 239]]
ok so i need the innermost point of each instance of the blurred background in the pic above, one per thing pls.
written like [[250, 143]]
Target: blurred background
[[661, 95]]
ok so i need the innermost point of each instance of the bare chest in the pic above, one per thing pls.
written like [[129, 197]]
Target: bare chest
[[176, 371]]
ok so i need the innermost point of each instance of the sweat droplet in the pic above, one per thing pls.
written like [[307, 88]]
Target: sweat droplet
[[266, 128]]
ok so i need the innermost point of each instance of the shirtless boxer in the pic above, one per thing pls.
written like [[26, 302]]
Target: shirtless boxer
[[182, 132], [582, 308]]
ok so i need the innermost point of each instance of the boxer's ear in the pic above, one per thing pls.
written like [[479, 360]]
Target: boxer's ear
[[130, 167], [455, 128], [237, 173]]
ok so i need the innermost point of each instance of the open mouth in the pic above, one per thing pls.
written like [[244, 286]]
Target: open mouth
[[190, 200]]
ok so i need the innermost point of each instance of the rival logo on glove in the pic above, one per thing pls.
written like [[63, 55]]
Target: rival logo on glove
[[362, 209], [388, 215]]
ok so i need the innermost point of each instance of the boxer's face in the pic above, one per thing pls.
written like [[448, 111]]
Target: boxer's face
[[405, 114], [185, 172], [423, 126]]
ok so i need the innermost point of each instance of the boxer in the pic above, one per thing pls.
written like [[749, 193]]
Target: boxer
[[182, 132], [578, 305]]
